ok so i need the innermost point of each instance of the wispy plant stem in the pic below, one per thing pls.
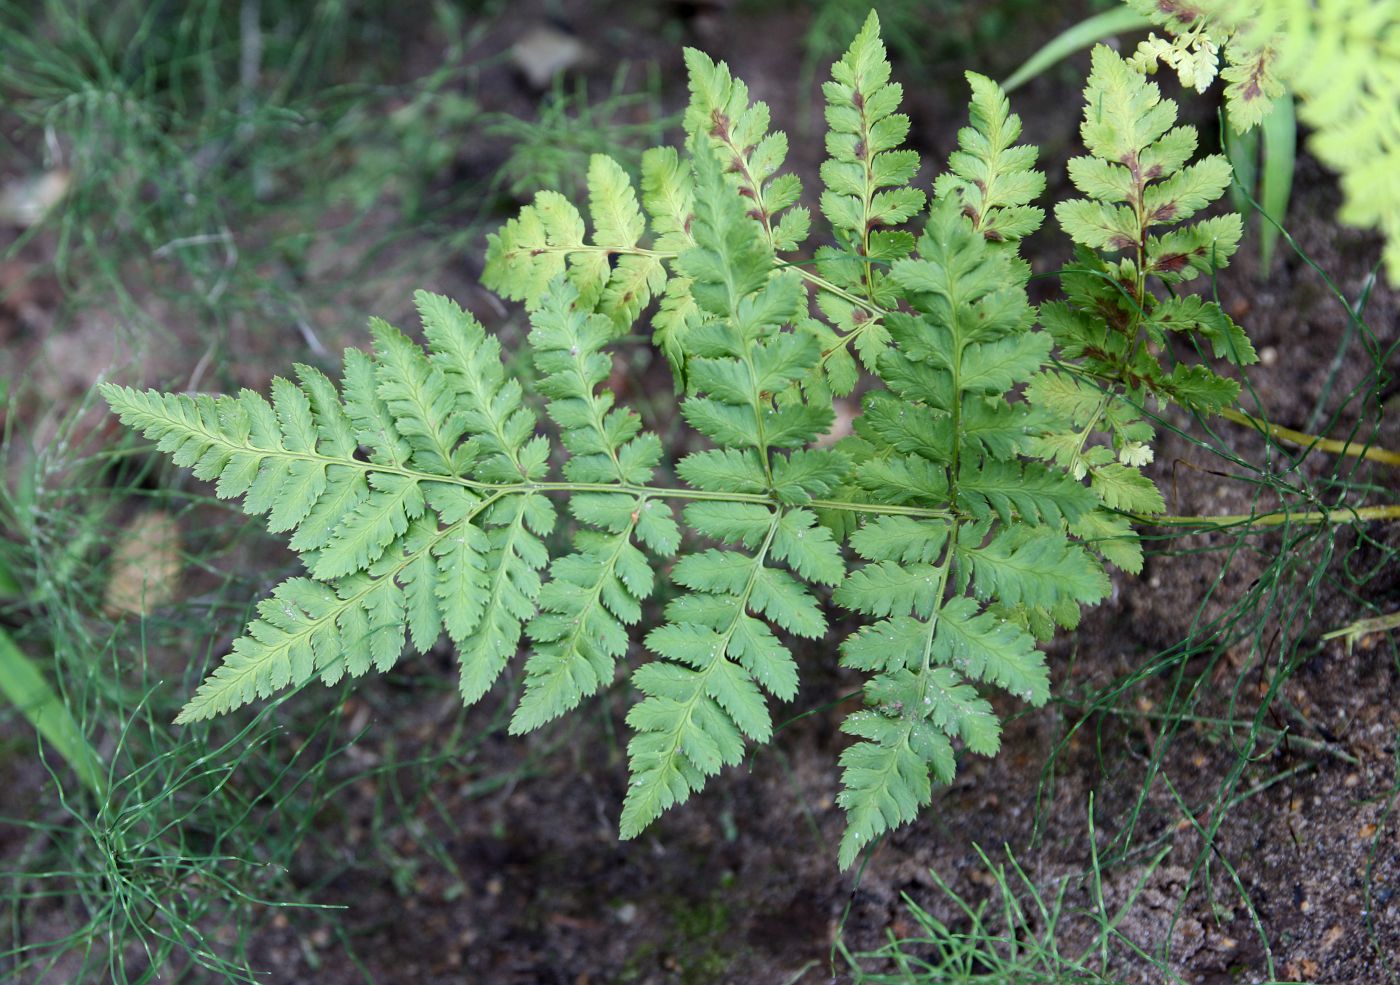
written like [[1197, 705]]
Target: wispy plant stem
[[1330, 445]]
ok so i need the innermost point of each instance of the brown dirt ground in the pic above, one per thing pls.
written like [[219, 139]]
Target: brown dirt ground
[[740, 885]]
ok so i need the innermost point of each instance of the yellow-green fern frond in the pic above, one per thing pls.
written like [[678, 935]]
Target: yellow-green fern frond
[[1341, 58]]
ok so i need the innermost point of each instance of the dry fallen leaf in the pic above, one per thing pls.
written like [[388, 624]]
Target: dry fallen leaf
[[544, 51], [842, 424], [145, 565], [25, 201]]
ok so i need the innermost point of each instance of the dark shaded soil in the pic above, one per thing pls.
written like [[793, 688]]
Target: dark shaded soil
[[1240, 859]]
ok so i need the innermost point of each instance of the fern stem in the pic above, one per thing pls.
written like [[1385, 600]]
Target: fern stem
[[1301, 438], [495, 490], [945, 569], [821, 283], [675, 492], [1341, 514]]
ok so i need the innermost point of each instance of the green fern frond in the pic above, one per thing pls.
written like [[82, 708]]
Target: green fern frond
[[401, 542], [514, 556], [1136, 179], [868, 194], [868, 177], [549, 239], [595, 593], [969, 343], [980, 491], [992, 175]]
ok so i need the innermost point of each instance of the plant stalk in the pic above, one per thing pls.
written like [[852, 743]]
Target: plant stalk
[[1303, 439], [1341, 514]]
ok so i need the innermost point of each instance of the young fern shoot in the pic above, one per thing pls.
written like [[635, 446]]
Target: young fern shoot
[[421, 497]]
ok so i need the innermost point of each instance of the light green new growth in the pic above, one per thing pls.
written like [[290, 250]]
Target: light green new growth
[[1111, 327], [867, 178], [1338, 56], [421, 492]]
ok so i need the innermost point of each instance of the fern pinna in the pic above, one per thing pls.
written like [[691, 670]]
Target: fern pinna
[[1338, 56], [421, 493]]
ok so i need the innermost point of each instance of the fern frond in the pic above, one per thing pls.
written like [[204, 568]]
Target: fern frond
[[700, 700], [240, 442], [369, 415], [1136, 179], [702, 693], [920, 697], [992, 175], [417, 395], [401, 541], [295, 635], [951, 439], [1140, 186], [309, 628], [976, 491], [1193, 56], [972, 293], [1010, 489], [1338, 56], [364, 533], [596, 592], [460, 574], [885, 778]]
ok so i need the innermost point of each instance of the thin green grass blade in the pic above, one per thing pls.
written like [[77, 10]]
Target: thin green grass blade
[[1077, 38], [1280, 143], [24, 684], [1243, 151], [9, 587]]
